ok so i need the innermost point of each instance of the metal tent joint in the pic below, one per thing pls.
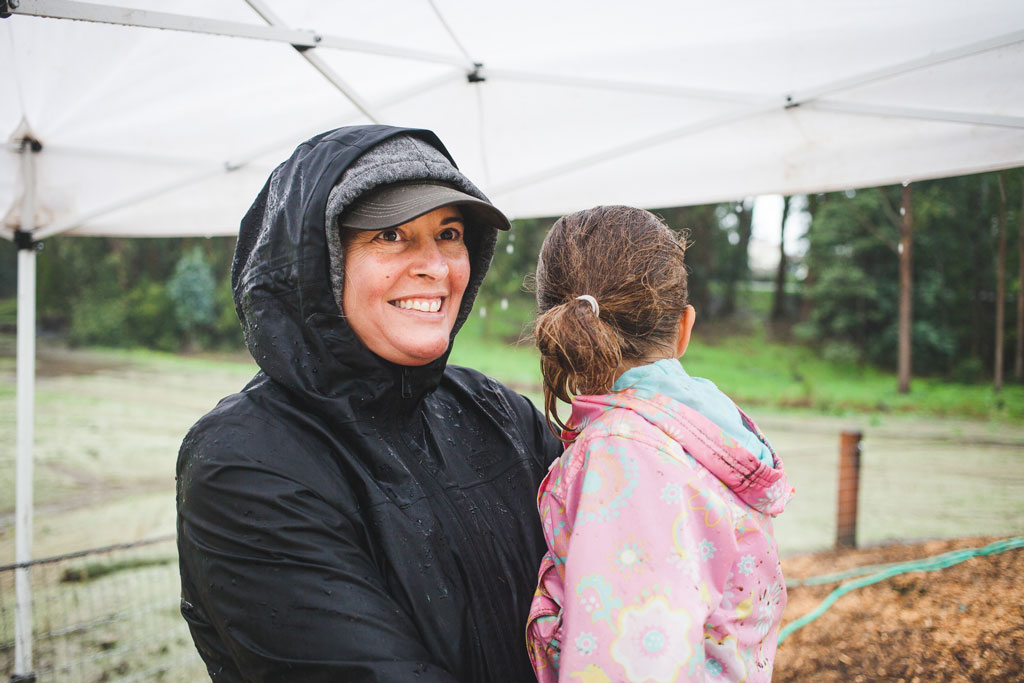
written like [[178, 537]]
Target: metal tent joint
[[29, 143], [23, 240], [23, 678], [6, 6], [302, 48], [476, 75]]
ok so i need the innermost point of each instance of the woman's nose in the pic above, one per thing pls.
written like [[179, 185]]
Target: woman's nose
[[429, 261]]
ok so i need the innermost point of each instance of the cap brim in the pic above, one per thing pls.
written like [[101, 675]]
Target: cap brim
[[393, 205]]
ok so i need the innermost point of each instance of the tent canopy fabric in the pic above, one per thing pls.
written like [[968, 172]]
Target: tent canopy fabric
[[159, 118]]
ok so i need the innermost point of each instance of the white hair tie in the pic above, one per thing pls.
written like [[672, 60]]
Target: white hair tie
[[592, 301]]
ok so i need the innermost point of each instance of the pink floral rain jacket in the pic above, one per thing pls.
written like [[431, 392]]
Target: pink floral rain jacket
[[661, 562]]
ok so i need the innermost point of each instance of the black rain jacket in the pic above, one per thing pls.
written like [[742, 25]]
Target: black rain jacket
[[343, 518]]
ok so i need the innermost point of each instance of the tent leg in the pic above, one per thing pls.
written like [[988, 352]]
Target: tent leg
[[25, 426], [26, 362]]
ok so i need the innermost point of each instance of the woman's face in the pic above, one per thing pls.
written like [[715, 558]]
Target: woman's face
[[404, 285]]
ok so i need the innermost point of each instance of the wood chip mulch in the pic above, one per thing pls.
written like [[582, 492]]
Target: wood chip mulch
[[962, 623]]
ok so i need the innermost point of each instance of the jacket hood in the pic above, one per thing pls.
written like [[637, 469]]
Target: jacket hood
[[762, 486], [288, 265]]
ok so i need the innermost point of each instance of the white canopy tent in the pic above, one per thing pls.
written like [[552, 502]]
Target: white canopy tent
[[165, 118]]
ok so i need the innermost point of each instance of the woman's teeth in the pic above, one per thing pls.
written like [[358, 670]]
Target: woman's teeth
[[425, 305]]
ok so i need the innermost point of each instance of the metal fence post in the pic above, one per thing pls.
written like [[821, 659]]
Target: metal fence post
[[849, 486]]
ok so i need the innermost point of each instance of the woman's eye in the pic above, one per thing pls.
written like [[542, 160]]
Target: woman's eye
[[388, 235], [449, 234]]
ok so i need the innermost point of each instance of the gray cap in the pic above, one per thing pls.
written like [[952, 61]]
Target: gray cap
[[392, 205]]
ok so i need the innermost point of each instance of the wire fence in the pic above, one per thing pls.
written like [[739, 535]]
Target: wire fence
[[103, 615], [918, 480]]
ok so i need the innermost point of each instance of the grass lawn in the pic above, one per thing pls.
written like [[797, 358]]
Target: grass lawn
[[756, 371]]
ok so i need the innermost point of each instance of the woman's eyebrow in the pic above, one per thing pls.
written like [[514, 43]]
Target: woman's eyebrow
[[451, 219]]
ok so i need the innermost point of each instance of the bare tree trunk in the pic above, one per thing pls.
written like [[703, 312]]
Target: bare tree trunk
[[1018, 364], [743, 247], [779, 303], [740, 256], [807, 303], [1000, 283], [906, 258]]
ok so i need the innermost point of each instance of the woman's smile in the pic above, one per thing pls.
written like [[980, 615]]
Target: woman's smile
[[425, 305]]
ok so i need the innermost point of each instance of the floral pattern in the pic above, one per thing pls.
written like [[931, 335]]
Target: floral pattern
[[651, 643], [672, 493], [722, 660], [586, 643], [662, 564]]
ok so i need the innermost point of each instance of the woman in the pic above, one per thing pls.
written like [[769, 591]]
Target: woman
[[361, 511]]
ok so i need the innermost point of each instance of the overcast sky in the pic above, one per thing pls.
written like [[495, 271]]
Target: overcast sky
[[764, 238]]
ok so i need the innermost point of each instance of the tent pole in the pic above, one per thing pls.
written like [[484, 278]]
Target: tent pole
[[261, 8], [26, 363], [124, 16]]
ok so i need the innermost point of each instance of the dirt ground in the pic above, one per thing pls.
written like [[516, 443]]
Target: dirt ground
[[962, 623]]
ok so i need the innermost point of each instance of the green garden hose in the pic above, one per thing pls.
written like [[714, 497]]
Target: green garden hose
[[876, 573]]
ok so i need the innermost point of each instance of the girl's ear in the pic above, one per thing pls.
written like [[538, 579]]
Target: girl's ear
[[686, 321]]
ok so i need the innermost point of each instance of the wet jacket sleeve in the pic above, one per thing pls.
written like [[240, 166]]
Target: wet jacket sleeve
[[280, 574], [645, 551]]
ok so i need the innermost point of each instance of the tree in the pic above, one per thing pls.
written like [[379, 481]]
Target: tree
[[906, 258], [779, 302], [1000, 283], [741, 214], [853, 310], [806, 302], [192, 290], [1018, 365], [707, 252], [508, 285]]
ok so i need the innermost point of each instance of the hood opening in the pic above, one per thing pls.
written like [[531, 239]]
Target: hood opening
[[288, 271]]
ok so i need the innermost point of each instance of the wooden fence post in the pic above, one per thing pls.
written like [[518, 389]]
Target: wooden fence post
[[849, 486]]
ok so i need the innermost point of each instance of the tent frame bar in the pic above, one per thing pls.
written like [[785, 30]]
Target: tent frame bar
[[811, 97], [109, 14], [26, 375], [123, 16], [318, 63], [941, 115], [213, 170], [633, 146], [816, 93], [75, 221]]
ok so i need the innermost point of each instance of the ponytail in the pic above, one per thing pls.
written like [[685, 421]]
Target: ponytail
[[579, 354]]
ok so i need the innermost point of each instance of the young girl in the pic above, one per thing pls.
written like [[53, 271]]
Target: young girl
[[661, 562]]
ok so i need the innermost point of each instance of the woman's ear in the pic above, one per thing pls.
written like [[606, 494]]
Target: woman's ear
[[686, 321]]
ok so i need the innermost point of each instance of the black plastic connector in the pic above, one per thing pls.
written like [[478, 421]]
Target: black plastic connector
[[23, 240], [476, 76]]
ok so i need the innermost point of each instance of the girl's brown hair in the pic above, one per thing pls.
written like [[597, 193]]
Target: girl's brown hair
[[632, 264]]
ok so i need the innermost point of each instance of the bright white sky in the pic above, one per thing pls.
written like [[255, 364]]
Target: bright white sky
[[764, 238]]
